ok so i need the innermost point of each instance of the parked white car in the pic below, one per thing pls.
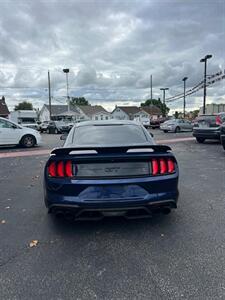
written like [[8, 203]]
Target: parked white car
[[12, 133], [44, 126]]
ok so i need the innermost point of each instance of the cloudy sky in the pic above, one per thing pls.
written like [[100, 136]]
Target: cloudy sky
[[111, 48]]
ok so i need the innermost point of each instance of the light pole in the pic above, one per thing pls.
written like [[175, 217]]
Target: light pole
[[49, 96], [151, 87], [208, 56], [66, 71], [164, 98], [184, 80]]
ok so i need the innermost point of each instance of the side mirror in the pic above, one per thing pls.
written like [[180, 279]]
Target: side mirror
[[14, 126], [63, 137], [152, 135]]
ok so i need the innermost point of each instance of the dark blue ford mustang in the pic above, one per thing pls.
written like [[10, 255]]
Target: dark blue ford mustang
[[111, 168]]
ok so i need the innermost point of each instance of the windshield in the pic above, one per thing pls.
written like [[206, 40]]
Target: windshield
[[109, 135]]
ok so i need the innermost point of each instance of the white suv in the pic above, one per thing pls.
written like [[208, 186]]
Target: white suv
[[15, 134]]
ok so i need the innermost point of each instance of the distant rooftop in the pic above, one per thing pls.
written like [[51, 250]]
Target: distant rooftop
[[4, 111], [60, 109], [152, 110], [129, 110], [90, 110]]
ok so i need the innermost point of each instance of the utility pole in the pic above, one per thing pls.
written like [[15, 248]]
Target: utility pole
[[184, 80], [208, 56], [66, 71], [151, 87], [49, 96], [164, 98]]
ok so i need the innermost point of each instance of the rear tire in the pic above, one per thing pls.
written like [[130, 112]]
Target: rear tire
[[28, 141], [223, 146], [200, 140], [165, 131], [177, 129]]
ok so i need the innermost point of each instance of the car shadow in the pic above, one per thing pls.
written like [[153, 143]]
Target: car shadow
[[211, 142], [18, 148], [67, 228]]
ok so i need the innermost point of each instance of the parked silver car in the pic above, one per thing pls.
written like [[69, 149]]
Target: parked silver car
[[176, 125]]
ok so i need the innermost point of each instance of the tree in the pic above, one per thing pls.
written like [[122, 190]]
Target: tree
[[24, 106], [164, 109], [79, 101], [195, 113]]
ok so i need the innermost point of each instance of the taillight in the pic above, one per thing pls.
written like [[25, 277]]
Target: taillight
[[155, 167], [171, 166], [52, 169], [68, 169], [163, 166], [60, 169]]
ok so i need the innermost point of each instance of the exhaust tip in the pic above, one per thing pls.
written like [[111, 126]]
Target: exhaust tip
[[59, 214], [166, 210], [68, 216]]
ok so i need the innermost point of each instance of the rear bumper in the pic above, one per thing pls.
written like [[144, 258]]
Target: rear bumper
[[82, 196], [129, 212], [207, 134]]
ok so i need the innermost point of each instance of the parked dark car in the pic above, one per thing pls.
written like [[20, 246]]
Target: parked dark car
[[157, 122], [222, 135], [52, 127], [110, 168], [208, 127]]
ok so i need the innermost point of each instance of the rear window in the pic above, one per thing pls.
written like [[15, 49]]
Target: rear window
[[109, 135], [207, 118]]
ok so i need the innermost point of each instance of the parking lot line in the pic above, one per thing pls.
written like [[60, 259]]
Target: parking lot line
[[24, 153], [186, 139], [47, 151]]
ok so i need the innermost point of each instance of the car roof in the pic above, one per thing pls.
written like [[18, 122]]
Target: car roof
[[107, 122]]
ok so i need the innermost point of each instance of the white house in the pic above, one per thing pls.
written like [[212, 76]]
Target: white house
[[125, 112], [95, 112], [59, 112], [152, 112], [76, 113]]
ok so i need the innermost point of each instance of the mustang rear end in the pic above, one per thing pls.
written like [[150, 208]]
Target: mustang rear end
[[95, 182]]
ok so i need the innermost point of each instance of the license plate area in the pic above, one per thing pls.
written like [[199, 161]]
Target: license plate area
[[113, 193], [112, 170]]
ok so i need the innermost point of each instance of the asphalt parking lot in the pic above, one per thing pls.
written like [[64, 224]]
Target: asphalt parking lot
[[178, 256]]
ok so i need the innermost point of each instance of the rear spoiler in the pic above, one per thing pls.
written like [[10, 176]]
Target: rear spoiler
[[115, 149]]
